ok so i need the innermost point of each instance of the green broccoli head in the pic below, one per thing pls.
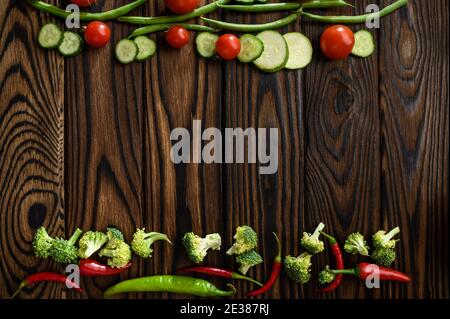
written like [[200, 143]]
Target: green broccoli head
[[326, 276], [311, 242], [298, 268], [118, 256], [197, 247], [90, 242], [383, 256], [248, 259], [381, 239], [142, 242], [42, 243], [355, 244], [245, 238], [64, 251]]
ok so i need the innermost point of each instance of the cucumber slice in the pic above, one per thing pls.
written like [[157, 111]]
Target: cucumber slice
[[71, 44], [300, 50], [50, 36], [251, 48], [206, 44], [275, 54], [126, 51], [146, 47], [364, 44]]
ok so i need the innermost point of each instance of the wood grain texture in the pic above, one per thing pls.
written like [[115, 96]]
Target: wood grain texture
[[363, 145]]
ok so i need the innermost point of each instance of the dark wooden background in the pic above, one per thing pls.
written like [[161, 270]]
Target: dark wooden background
[[364, 145]]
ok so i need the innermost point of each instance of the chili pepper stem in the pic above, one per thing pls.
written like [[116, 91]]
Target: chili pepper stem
[[278, 256], [351, 271], [239, 276], [331, 239], [22, 285]]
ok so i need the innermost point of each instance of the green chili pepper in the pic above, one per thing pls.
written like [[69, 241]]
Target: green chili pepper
[[170, 283], [253, 27], [358, 19], [175, 18], [87, 16], [284, 6], [162, 27]]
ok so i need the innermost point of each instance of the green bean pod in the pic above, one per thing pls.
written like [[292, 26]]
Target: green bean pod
[[169, 283], [284, 6], [360, 18], [87, 16], [162, 27], [175, 18], [253, 27]]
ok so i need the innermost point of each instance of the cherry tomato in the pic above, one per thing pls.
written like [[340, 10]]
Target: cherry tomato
[[337, 42], [97, 34], [83, 3], [228, 46], [182, 6], [177, 37]]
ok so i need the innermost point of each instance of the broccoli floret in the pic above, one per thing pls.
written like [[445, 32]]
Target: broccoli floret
[[311, 242], [248, 259], [114, 234], [245, 238], [355, 244], [382, 240], [383, 256], [197, 247], [142, 242], [298, 268], [326, 276], [90, 243], [64, 251], [42, 243], [118, 256]]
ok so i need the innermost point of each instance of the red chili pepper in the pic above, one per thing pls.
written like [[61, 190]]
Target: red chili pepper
[[364, 270], [276, 267], [45, 277], [218, 272], [92, 268], [337, 253]]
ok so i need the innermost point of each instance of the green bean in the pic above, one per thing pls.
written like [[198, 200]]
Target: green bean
[[175, 18], [162, 27], [87, 16], [284, 6], [253, 27], [358, 19]]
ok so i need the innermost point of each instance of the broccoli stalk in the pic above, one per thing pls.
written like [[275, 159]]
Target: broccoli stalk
[[197, 247], [142, 242], [355, 244], [246, 239], [64, 251], [326, 276], [117, 250], [42, 243], [247, 260], [298, 268], [311, 242], [384, 253], [90, 242]]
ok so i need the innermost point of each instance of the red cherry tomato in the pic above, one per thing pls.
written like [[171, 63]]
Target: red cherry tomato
[[83, 3], [228, 46], [182, 6], [337, 42], [97, 34], [177, 37]]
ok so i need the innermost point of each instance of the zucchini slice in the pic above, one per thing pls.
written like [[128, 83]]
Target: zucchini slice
[[300, 50], [146, 47], [364, 44], [206, 44], [251, 48], [275, 54], [71, 44], [50, 36], [126, 51]]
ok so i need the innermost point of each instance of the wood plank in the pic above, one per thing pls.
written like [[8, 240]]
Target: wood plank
[[268, 203], [414, 70], [104, 144], [342, 162], [31, 148], [179, 197]]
